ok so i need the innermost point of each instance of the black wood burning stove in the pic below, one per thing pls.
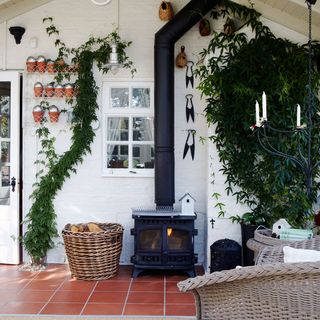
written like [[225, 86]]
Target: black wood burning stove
[[163, 240]]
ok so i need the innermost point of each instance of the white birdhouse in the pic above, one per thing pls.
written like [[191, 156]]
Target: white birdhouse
[[281, 224], [187, 204]]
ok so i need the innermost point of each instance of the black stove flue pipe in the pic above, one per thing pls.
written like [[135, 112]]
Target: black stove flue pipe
[[165, 40]]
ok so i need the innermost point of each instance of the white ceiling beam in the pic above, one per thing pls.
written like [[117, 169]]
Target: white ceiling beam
[[15, 10], [273, 14]]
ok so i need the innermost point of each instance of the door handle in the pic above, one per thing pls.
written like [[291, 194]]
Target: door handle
[[13, 184]]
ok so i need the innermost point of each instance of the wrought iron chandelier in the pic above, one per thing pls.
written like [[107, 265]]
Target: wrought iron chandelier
[[304, 162]]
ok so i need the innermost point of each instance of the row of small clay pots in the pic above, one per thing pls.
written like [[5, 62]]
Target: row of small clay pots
[[50, 90], [42, 65]]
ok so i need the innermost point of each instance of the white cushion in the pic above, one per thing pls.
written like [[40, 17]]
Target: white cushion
[[300, 255]]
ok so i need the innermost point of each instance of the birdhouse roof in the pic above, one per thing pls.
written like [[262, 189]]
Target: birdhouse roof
[[187, 195]]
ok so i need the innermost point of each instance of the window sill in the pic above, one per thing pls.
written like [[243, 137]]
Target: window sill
[[124, 173]]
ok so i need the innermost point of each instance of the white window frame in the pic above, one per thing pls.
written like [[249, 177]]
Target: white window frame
[[108, 111]]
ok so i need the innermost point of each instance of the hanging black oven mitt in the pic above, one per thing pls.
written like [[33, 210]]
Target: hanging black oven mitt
[[190, 145], [189, 107], [189, 74]]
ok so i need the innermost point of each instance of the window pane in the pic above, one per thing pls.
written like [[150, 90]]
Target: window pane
[[140, 98], [119, 97], [5, 151], [117, 156], [143, 129], [5, 110], [143, 156], [118, 129]]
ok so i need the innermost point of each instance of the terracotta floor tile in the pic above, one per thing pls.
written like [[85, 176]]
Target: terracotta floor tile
[[171, 286], [78, 285], [21, 308], [62, 308], [155, 286], [6, 296], [43, 285], [33, 296], [179, 298], [70, 296], [187, 310], [103, 309], [144, 309], [108, 297], [142, 297], [113, 285]]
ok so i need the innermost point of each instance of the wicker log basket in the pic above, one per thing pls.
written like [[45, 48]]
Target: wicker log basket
[[94, 255]]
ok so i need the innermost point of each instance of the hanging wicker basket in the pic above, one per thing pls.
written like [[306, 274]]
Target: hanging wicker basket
[[94, 255], [165, 11]]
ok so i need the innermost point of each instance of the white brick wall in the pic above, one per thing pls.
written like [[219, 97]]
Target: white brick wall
[[88, 196]]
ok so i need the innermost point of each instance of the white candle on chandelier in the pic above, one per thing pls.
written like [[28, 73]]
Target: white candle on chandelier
[[257, 114], [264, 106], [298, 115]]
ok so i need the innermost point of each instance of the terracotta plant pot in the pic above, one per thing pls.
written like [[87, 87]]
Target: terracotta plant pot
[[31, 64], [68, 90], [49, 90], [38, 89], [37, 113], [54, 114], [50, 66], [41, 64], [59, 90]]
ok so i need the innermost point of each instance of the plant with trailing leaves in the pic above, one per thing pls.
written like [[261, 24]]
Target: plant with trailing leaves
[[238, 70], [41, 218]]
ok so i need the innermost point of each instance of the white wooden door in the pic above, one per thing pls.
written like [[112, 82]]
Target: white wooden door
[[9, 166]]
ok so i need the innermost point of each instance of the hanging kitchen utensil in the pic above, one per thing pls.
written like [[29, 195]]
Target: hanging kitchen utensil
[[204, 27], [181, 60], [190, 144], [189, 107], [165, 11], [189, 74]]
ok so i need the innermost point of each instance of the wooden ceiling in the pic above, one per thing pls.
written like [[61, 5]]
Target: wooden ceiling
[[291, 13]]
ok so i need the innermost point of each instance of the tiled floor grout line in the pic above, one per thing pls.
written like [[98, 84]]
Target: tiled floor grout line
[[55, 291], [90, 295], [127, 297]]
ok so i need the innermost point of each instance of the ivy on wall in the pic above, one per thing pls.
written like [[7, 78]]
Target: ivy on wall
[[41, 226], [239, 70]]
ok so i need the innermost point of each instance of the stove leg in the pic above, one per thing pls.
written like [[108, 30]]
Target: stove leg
[[191, 272], [135, 272]]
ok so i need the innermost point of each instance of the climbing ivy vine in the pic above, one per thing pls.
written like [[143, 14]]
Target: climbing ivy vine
[[40, 221], [238, 69]]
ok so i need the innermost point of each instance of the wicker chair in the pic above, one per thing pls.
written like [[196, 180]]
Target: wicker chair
[[269, 290]]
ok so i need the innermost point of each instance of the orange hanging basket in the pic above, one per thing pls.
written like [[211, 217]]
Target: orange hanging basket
[[165, 11]]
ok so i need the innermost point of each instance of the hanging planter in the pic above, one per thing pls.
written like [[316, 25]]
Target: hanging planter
[[165, 11], [181, 60], [54, 113], [50, 66], [68, 90], [37, 113], [41, 64], [204, 27], [38, 89], [31, 64], [49, 90], [59, 90]]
